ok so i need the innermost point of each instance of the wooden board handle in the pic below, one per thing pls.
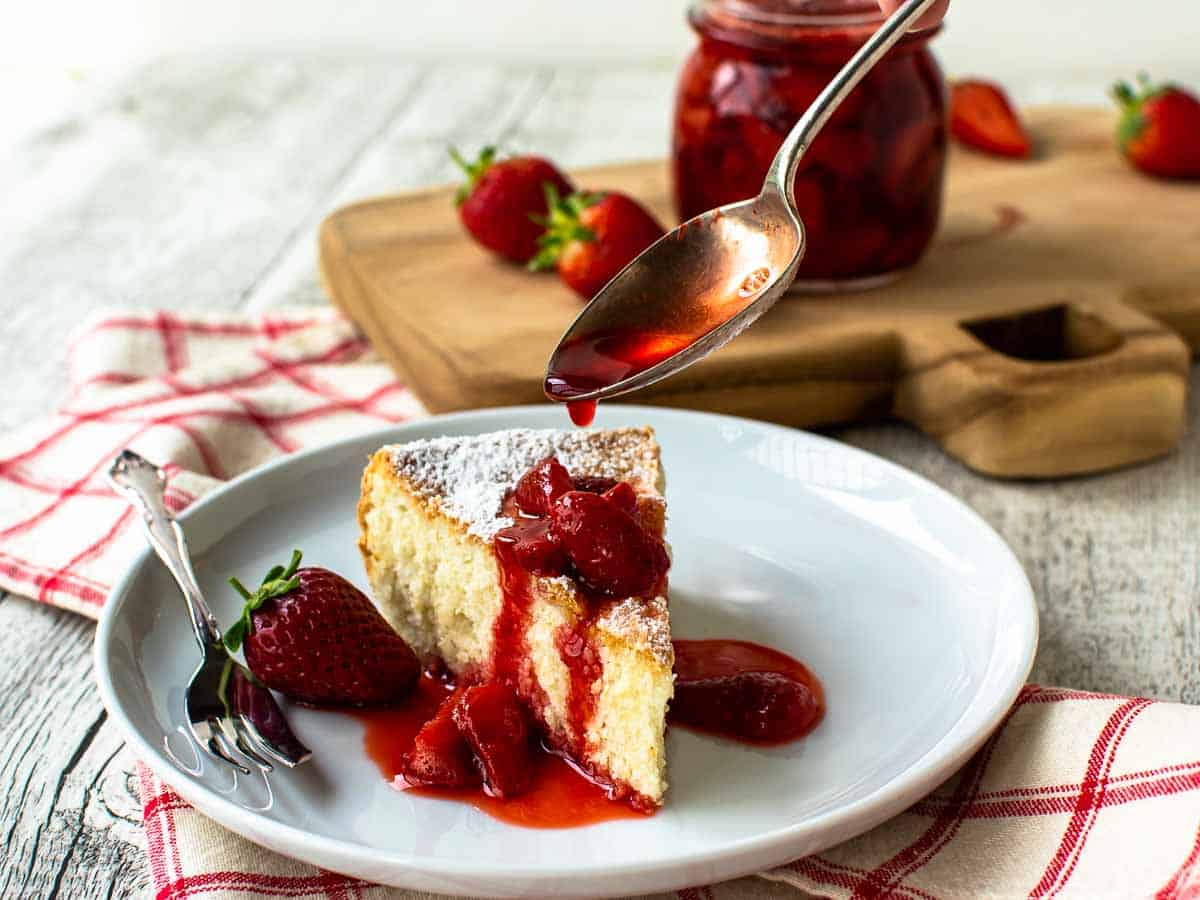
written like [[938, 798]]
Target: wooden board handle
[[1083, 384]]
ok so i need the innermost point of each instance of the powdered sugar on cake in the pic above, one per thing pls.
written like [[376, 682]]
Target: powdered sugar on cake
[[469, 477], [643, 619]]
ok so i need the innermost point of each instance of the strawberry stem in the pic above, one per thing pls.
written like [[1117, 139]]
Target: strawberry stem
[[473, 170], [1124, 94], [277, 582], [1131, 100], [562, 225]]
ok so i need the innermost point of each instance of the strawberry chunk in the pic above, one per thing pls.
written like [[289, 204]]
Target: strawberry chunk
[[593, 484], [492, 720], [612, 554], [762, 707], [440, 755], [541, 486], [623, 494], [534, 547]]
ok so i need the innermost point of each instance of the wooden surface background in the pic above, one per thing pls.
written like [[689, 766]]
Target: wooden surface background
[[200, 185]]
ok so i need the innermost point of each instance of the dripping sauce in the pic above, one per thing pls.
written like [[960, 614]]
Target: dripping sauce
[[561, 795]]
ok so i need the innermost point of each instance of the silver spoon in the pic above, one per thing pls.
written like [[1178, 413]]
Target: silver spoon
[[698, 287]]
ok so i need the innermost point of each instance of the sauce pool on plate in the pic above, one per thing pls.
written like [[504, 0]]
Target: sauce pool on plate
[[561, 795]]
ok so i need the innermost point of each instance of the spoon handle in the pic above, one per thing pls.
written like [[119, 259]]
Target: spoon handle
[[142, 483], [782, 174]]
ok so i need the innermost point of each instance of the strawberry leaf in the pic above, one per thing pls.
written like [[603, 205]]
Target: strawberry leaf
[[473, 170], [562, 225], [1131, 100], [277, 582]]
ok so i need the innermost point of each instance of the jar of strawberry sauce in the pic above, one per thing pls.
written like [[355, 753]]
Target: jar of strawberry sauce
[[869, 190]]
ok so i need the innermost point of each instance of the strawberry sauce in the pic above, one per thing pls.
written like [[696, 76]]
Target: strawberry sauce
[[585, 668], [582, 412], [598, 360], [572, 641], [561, 796], [736, 690], [744, 691], [512, 621]]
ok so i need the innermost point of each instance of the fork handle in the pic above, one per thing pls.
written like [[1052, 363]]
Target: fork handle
[[142, 483]]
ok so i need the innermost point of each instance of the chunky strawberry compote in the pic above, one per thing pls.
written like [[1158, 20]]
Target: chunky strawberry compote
[[744, 691], [434, 760], [869, 189], [587, 530]]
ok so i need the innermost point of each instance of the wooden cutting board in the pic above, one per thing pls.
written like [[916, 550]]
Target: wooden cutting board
[[1048, 332]]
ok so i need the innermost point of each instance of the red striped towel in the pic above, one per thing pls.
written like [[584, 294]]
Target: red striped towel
[[1076, 795]]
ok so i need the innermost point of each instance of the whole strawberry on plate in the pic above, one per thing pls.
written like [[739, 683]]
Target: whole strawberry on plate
[[314, 637], [591, 237], [1159, 131], [982, 118], [503, 201]]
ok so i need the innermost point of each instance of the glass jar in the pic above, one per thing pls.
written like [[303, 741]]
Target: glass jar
[[869, 190]]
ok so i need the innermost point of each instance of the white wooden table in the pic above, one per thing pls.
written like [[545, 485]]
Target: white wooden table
[[200, 184]]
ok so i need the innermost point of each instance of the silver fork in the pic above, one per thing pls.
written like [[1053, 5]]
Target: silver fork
[[229, 712]]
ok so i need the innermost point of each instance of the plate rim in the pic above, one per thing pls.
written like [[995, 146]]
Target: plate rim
[[924, 773]]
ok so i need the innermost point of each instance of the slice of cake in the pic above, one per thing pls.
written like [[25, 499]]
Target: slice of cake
[[576, 620]]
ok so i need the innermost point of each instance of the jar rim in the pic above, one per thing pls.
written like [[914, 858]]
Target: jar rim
[[855, 13], [778, 24]]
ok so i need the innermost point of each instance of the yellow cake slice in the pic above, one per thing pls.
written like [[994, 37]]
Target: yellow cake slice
[[596, 674]]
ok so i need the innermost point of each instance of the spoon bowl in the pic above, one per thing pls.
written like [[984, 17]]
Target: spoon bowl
[[687, 294]]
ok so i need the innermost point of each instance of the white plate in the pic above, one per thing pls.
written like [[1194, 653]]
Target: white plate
[[912, 611]]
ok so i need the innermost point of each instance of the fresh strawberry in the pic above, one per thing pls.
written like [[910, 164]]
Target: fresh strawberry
[[613, 555], [501, 200], [314, 637], [1159, 131], [440, 755], [541, 486], [591, 237], [981, 117], [494, 723]]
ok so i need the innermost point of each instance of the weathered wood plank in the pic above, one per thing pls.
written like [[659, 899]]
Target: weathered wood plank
[[177, 188], [577, 116], [69, 814]]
